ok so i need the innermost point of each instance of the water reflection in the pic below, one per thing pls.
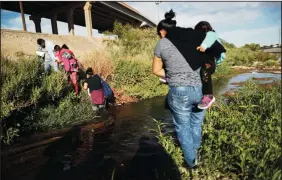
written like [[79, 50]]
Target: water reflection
[[130, 147], [260, 78]]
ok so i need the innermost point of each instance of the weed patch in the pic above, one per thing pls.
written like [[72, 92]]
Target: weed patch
[[243, 142]]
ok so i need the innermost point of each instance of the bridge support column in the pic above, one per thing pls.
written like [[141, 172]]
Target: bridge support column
[[22, 14], [37, 21], [54, 23], [88, 18], [70, 21]]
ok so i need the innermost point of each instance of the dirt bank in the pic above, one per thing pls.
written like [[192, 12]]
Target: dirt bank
[[15, 42]]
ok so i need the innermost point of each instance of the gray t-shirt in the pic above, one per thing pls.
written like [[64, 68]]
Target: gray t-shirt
[[178, 71]]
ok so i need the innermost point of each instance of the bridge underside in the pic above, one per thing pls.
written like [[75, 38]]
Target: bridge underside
[[98, 15]]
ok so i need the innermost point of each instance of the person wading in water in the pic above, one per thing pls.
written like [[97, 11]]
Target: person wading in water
[[182, 63]]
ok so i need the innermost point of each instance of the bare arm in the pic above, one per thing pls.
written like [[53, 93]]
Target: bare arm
[[85, 85], [58, 60], [157, 67]]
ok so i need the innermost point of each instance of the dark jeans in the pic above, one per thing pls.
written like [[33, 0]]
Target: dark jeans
[[206, 71]]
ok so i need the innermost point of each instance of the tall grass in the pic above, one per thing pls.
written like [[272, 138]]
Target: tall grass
[[131, 55], [100, 63], [32, 100], [242, 142]]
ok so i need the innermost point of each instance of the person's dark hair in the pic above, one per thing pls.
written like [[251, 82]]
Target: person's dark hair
[[40, 41], [204, 26], [89, 71], [57, 48], [64, 46], [167, 22]]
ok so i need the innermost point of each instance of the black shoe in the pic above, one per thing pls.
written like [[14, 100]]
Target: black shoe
[[185, 165], [194, 167]]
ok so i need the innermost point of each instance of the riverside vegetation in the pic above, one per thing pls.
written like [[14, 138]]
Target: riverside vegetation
[[33, 102], [242, 142]]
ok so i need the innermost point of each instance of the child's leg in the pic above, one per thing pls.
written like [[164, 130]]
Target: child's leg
[[55, 66], [73, 77], [206, 81], [206, 71]]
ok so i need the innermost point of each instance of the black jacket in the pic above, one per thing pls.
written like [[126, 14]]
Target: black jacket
[[186, 40]]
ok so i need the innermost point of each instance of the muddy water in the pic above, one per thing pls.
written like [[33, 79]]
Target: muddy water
[[130, 149]]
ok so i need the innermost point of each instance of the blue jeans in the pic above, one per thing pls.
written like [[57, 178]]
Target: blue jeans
[[187, 119], [49, 64]]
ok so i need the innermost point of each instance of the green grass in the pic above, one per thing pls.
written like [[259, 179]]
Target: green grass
[[136, 79], [34, 101], [244, 56], [243, 142], [132, 55]]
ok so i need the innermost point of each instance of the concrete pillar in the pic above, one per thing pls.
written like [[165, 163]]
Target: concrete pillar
[[54, 23], [37, 21], [22, 14], [88, 18], [70, 21]]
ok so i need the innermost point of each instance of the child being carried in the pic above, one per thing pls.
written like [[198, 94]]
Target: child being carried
[[213, 47]]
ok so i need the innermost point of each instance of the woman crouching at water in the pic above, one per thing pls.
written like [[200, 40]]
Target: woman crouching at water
[[95, 90], [185, 86]]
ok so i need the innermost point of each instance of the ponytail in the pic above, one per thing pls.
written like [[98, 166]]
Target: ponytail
[[167, 22]]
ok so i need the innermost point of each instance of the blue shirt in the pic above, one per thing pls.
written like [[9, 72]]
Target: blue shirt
[[211, 37]]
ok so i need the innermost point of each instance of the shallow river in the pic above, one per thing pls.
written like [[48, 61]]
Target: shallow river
[[130, 149]]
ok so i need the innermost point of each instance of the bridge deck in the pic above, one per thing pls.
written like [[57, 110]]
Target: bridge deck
[[104, 14]]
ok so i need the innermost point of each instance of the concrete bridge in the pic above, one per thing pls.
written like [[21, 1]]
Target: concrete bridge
[[275, 50], [91, 14]]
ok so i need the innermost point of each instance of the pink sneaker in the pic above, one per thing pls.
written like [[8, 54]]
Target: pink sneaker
[[206, 102]]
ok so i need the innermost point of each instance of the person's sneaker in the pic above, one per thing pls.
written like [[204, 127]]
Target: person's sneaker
[[185, 165], [206, 102]]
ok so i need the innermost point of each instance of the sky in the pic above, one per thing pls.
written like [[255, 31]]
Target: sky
[[236, 22]]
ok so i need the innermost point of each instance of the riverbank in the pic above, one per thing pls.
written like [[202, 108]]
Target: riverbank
[[33, 102], [242, 137], [33, 95], [98, 125], [131, 145], [264, 68]]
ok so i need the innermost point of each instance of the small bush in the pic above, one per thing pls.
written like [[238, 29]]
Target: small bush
[[20, 82], [271, 63]]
